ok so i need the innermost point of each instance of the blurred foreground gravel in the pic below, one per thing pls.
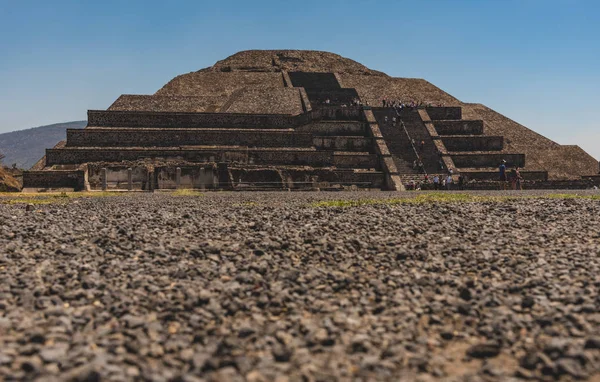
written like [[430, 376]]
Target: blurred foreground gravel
[[270, 287]]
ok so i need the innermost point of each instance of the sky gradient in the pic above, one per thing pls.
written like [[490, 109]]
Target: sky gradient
[[535, 61]]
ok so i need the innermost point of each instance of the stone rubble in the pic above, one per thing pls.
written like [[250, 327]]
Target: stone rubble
[[270, 287]]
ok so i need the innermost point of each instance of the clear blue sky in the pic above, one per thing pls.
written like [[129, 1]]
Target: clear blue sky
[[535, 61]]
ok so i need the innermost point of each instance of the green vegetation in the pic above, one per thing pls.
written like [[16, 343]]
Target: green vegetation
[[187, 192], [52, 197], [437, 197]]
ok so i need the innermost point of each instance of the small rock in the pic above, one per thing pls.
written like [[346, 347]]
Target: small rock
[[592, 343], [54, 354], [570, 366], [484, 350], [282, 354], [527, 302]]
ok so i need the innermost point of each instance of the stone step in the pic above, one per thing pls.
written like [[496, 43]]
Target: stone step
[[473, 142], [153, 137], [174, 120], [127, 137], [459, 127], [470, 159], [282, 155]]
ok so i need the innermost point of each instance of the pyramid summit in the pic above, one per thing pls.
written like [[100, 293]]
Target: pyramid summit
[[298, 119]]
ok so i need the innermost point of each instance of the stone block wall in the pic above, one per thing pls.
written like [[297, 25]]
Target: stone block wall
[[479, 160], [495, 175], [297, 158], [54, 179], [191, 177], [343, 143], [117, 177], [329, 128], [355, 160], [252, 156], [112, 118], [459, 127], [473, 143], [257, 177], [116, 137]]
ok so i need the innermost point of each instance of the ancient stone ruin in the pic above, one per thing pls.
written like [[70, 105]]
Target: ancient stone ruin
[[293, 119]]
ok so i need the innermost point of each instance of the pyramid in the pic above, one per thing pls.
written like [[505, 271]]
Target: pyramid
[[295, 119]]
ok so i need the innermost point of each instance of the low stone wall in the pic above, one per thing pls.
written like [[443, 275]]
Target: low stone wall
[[473, 143], [577, 184], [257, 177], [459, 127], [495, 175], [478, 160], [440, 113], [343, 143], [54, 179], [117, 177], [299, 178], [190, 177], [115, 137]]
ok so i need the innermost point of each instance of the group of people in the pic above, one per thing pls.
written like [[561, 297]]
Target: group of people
[[354, 103], [438, 182], [397, 104], [514, 177]]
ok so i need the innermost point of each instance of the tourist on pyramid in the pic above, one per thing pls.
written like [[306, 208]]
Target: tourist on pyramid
[[502, 170], [436, 182], [449, 182], [518, 179]]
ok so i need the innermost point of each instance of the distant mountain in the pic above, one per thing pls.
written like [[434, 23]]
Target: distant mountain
[[26, 147]]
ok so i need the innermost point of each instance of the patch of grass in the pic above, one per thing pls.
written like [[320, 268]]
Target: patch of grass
[[29, 201], [52, 197], [433, 197], [437, 197], [187, 192]]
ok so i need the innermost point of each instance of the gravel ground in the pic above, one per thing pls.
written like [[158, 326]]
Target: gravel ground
[[271, 287]]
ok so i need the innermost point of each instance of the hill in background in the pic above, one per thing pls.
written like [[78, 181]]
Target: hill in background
[[26, 147]]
